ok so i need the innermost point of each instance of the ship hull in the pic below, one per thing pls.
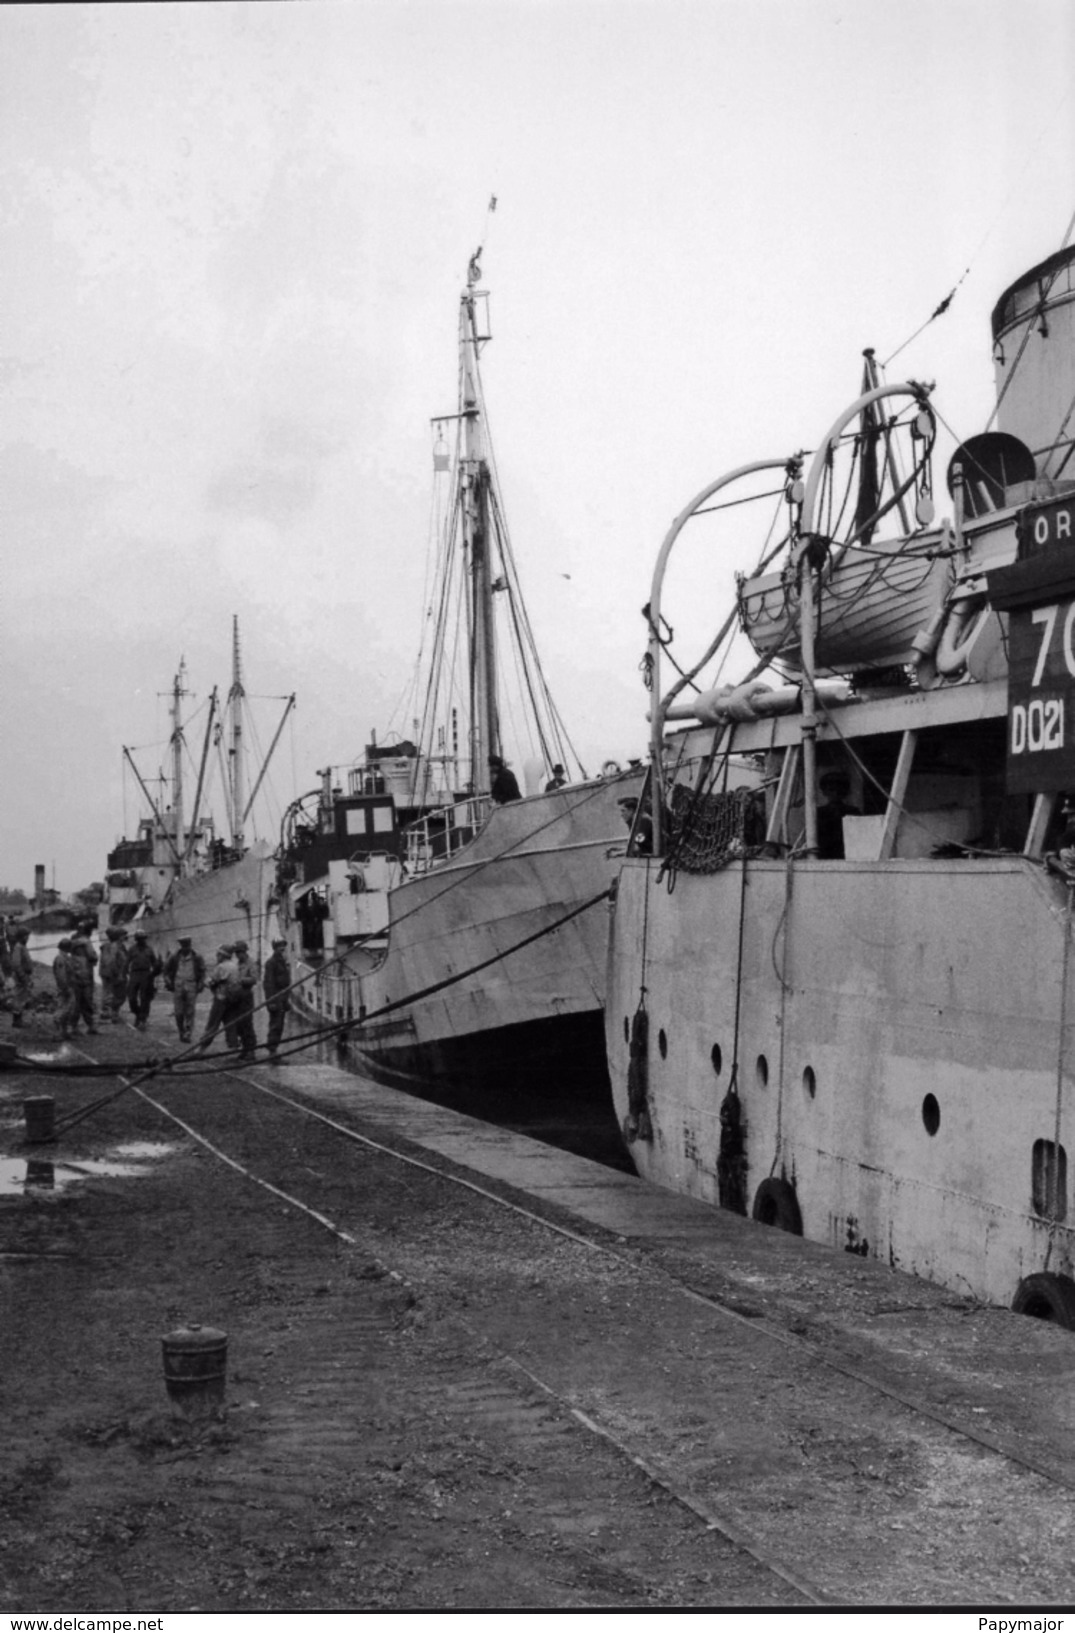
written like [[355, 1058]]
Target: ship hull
[[901, 1043], [492, 977], [235, 902]]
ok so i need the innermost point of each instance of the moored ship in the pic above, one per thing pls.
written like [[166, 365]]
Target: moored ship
[[454, 923], [853, 1016], [177, 876]]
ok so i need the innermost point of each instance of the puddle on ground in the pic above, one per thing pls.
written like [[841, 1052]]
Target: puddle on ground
[[19, 1175]]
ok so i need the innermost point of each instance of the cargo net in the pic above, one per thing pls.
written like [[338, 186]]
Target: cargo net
[[706, 831]]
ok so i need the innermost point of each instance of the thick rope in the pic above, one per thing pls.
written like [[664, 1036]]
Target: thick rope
[[352, 1025]]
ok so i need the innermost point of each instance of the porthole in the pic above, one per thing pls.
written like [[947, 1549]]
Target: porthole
[[716, 1057], [931, 1114], [761, 1072], [809, 1082], [662, 1043]]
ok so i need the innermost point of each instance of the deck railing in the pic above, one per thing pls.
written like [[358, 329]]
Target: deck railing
[[435, 839]]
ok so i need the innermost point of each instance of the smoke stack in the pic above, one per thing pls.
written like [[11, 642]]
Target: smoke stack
[[39, 885]]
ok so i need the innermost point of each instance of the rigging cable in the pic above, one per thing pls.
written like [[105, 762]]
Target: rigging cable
[[1017, 186]]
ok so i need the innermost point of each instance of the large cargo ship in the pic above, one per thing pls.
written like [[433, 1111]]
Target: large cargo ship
[[853, 1017], [452, 923], [177, 876]]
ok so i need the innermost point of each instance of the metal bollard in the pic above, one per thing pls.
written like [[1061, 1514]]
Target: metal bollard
[[195, 1365], [40, 1114]]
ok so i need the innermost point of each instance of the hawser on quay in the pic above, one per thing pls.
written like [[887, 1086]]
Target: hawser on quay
[[841, 991], [177, 877], [406, 871]]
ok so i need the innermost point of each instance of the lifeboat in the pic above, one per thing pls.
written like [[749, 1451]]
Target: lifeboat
[[872, 605]]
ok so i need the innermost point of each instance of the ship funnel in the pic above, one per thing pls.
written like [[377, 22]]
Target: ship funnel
[[1034, 358]]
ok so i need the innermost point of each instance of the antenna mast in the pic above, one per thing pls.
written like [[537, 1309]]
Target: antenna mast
[[178, 692]]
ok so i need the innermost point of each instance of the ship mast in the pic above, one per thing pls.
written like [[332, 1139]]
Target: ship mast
[[178, 692], [477, 541], [235, 751]]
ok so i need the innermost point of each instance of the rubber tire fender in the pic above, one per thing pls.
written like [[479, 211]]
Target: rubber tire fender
[[775, 1203], [1047, 1296]]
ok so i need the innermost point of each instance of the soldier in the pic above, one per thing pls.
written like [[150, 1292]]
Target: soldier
[[22, 973], [81, 960], [239, 1008], [223, 976], [67, 1013], [142, 970], [276, 985], [113, 967], [184, 975]]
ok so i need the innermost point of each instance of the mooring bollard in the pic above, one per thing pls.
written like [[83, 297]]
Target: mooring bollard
[[40, 1114], [195, 1364]]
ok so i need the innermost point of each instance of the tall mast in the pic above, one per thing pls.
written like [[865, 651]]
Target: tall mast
[[178, 692], [474, 498], [235, 751]]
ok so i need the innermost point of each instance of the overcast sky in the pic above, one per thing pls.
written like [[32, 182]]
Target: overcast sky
[[234, 237]]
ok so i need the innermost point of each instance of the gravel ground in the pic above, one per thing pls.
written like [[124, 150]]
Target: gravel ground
[[436, 1404], [375, 1452]]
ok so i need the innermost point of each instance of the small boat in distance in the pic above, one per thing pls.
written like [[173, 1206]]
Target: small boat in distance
[[178, 876], [453, 922]]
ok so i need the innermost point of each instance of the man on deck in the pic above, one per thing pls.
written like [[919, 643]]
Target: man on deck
[[503, 786]]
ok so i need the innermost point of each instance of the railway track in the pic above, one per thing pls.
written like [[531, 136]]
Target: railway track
[[809, 1475], [853, 1431]]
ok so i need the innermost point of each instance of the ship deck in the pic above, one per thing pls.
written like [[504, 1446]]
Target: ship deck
[[685, 1408]]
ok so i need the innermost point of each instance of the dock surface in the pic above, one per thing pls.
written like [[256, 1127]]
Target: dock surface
[[488, 1374]]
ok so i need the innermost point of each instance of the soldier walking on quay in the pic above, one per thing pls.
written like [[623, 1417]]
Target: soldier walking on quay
[[223, 982], [276, 984], [142, 970], [22, 973], [239, 1010], [184, 975], [67, 1013], [82, 958], [114, 956]]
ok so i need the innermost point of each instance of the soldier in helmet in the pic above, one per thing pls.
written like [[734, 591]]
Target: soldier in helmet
[[239, 1009], [184, 976], [113, 968], [82, 959], [223, 982], [276, 985], [142, 970], [22, 973], [67, 1013]]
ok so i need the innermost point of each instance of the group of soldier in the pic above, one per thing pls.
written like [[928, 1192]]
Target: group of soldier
[[16, 966], [129, 975]]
